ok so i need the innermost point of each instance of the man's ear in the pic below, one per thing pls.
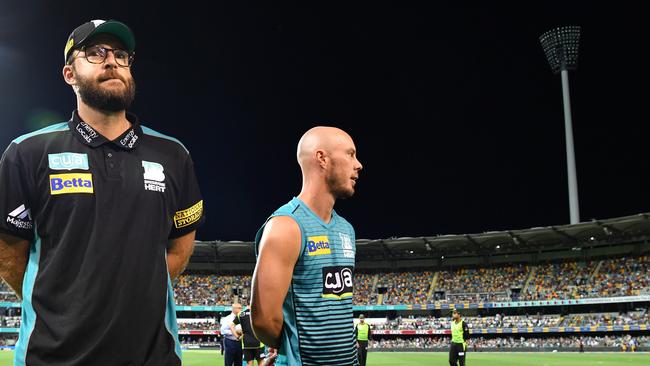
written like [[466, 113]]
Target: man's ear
[[69, 75], [322, 158]]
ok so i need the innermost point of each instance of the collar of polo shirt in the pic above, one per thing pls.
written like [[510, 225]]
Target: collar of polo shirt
[[128, 140]]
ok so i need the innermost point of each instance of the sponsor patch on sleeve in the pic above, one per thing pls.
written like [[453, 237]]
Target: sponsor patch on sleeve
[[188, 216]]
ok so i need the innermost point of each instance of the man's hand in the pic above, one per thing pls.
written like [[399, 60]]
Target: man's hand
[[14, 253], [273, 355]]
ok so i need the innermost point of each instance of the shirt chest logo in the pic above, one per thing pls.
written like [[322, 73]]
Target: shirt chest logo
[[346, 244], [67, 161], [71, 183], [154, 176], [318, 245], [337, 282]]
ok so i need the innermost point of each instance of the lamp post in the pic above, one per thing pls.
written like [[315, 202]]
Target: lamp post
[[561, 48]]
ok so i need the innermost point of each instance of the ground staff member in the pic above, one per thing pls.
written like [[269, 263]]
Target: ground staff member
[[362, 334], [97, 214], [459, 337], [233, 352]]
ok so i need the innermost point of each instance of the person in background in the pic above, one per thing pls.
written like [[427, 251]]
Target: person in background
[[362, 334], [232, 346]]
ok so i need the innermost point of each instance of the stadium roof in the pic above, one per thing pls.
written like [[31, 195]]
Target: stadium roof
[[591, 234]]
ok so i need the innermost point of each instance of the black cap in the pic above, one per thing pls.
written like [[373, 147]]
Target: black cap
[[83, 32], [455, 311]]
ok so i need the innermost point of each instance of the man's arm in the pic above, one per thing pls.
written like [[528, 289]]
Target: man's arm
[[13, 261], [465, 331], [225, 327], [179, 253], [356, 335], [232, 330], [233, 323], [278, 252]]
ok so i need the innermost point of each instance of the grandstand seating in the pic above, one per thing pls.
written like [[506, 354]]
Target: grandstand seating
[[562, 280], [610, 278], [515, 342]]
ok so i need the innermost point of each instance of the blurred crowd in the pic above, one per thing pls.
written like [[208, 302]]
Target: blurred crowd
[[481, 284], [405, 287], [363, 289], [563, 280], [623, 342], [210, 290], [515, 321], [433, 323]]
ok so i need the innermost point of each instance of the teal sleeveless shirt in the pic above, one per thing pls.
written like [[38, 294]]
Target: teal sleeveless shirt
[[318, 322]]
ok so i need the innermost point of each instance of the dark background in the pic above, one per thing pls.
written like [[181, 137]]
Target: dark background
[[456, 114]]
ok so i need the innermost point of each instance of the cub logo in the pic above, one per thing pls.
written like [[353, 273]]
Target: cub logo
[[67, 161], [337, 282]]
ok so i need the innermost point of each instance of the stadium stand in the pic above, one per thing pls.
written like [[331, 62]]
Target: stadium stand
[[514, 343], [532, 289]]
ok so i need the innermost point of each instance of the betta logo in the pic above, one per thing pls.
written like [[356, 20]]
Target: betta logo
[[318, 245], [71, 183], [337, 282]]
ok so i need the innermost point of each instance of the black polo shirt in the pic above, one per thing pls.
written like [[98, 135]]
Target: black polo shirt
[[244, 319], [99, 215]]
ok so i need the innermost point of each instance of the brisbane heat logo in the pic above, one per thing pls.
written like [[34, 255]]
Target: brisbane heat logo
[[337, 282], [154, 176]]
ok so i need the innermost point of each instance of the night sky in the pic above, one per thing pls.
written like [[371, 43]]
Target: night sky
[[455, 112]]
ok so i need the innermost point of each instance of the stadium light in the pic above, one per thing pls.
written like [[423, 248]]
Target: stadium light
[[561, 48]]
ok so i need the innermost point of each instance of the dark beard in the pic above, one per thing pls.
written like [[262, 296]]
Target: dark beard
[[339, 192], [103, 100]]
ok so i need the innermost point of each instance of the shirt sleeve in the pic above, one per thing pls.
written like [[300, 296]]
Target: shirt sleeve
[[465, 331], [225, 327], [15, 208], [189, 212]]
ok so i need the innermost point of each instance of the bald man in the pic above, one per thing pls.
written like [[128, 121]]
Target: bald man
[[303, 280]]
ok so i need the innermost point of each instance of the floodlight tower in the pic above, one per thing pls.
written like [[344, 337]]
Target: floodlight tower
[[561, 49]]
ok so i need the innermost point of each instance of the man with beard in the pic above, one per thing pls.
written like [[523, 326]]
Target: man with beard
[[98, 215], [303, 279]]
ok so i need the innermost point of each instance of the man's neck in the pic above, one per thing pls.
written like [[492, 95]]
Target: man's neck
[[321, 204], [109, 124]]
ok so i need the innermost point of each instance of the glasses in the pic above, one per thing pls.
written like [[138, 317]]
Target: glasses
[[98, 54]]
